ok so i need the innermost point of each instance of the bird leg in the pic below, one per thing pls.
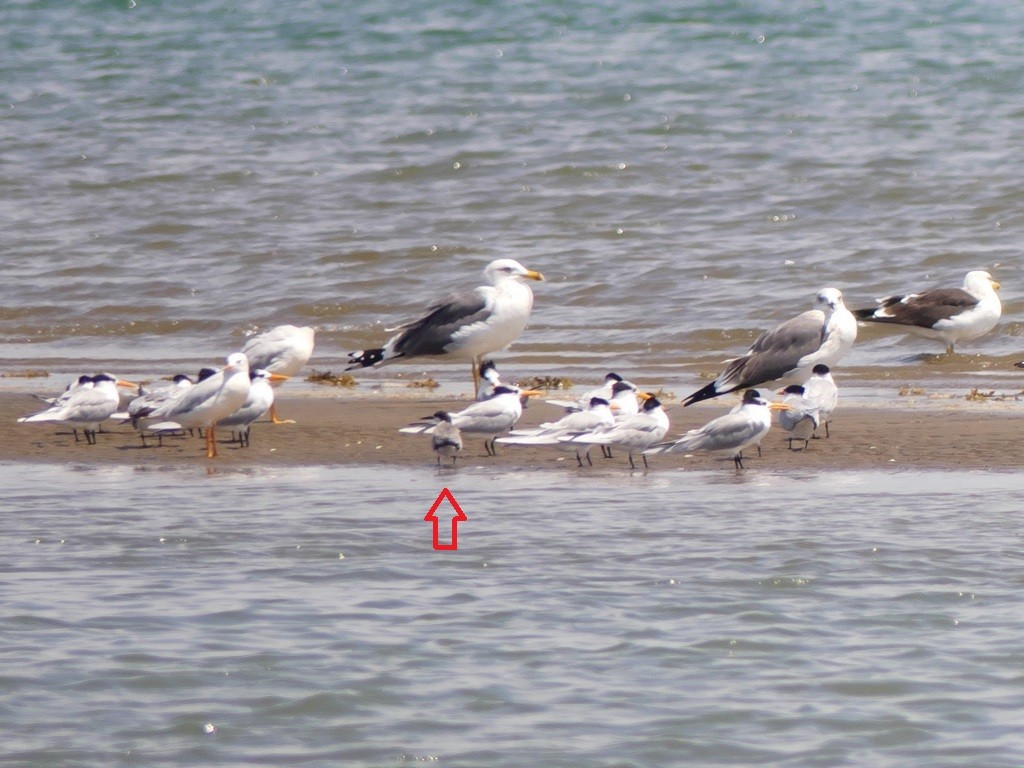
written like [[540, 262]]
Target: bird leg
[[275, 419], [211, 442], [738, 459], [606, 451], [646, 465], [631, 464], [474, 368]]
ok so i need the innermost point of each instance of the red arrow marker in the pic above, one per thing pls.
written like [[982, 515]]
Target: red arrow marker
[[455, 513]]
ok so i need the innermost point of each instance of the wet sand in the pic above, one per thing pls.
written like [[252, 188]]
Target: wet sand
[[903, 434]]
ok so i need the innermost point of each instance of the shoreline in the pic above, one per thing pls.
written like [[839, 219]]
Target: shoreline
[[912, 433]]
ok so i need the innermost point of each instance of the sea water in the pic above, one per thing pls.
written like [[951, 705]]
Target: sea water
[[302, 616]]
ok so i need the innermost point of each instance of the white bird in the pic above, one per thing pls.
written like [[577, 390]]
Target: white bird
[[446, 439], [85, 407], [788, 352], [465, 325], [488, 374], [801, 418], [259, 400], [209, 401], [283, 350], [149, 400], [486, 417], [583, 401], [821, 390], [633, 434], [625, 400], [82, 382], [597, 416], [729, 434], [947, 314]]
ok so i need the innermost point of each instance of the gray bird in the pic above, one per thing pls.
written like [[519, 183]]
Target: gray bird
[[446, 439]]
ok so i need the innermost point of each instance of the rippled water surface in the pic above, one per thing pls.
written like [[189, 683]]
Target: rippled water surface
[[302, 617], [175, 176]]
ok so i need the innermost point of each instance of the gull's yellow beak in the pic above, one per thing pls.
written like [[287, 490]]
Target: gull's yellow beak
[[532, 393], [644, 396], [780, 407], [123, 383], [278, 377], [534, 275], [995, 285]]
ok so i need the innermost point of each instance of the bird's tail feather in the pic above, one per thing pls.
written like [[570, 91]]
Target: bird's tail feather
[[163, 426], [365, 358], [705, 393], [44, 416], [418, 429]]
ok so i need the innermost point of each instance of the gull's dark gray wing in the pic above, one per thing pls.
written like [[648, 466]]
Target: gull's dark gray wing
[[923, 309], [433, 333], [776, 352]]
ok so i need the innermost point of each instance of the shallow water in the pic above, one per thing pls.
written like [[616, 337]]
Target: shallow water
[[175, 177], [302, 617]]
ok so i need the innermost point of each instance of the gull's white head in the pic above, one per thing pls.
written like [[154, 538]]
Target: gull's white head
[[979, 283], [237, 362], [504, 269], [829, 299]]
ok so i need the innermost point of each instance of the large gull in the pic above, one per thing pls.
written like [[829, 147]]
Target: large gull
[[209, 401], [283, 350], [467, 325], [946, 314], [789, 352]]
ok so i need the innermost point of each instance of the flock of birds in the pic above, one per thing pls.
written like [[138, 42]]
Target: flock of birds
[[797, 355], [234, 397]]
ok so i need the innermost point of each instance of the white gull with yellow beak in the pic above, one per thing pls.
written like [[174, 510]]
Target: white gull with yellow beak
[[466, 325], [946, 314], [203, 405], [789, 352]]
